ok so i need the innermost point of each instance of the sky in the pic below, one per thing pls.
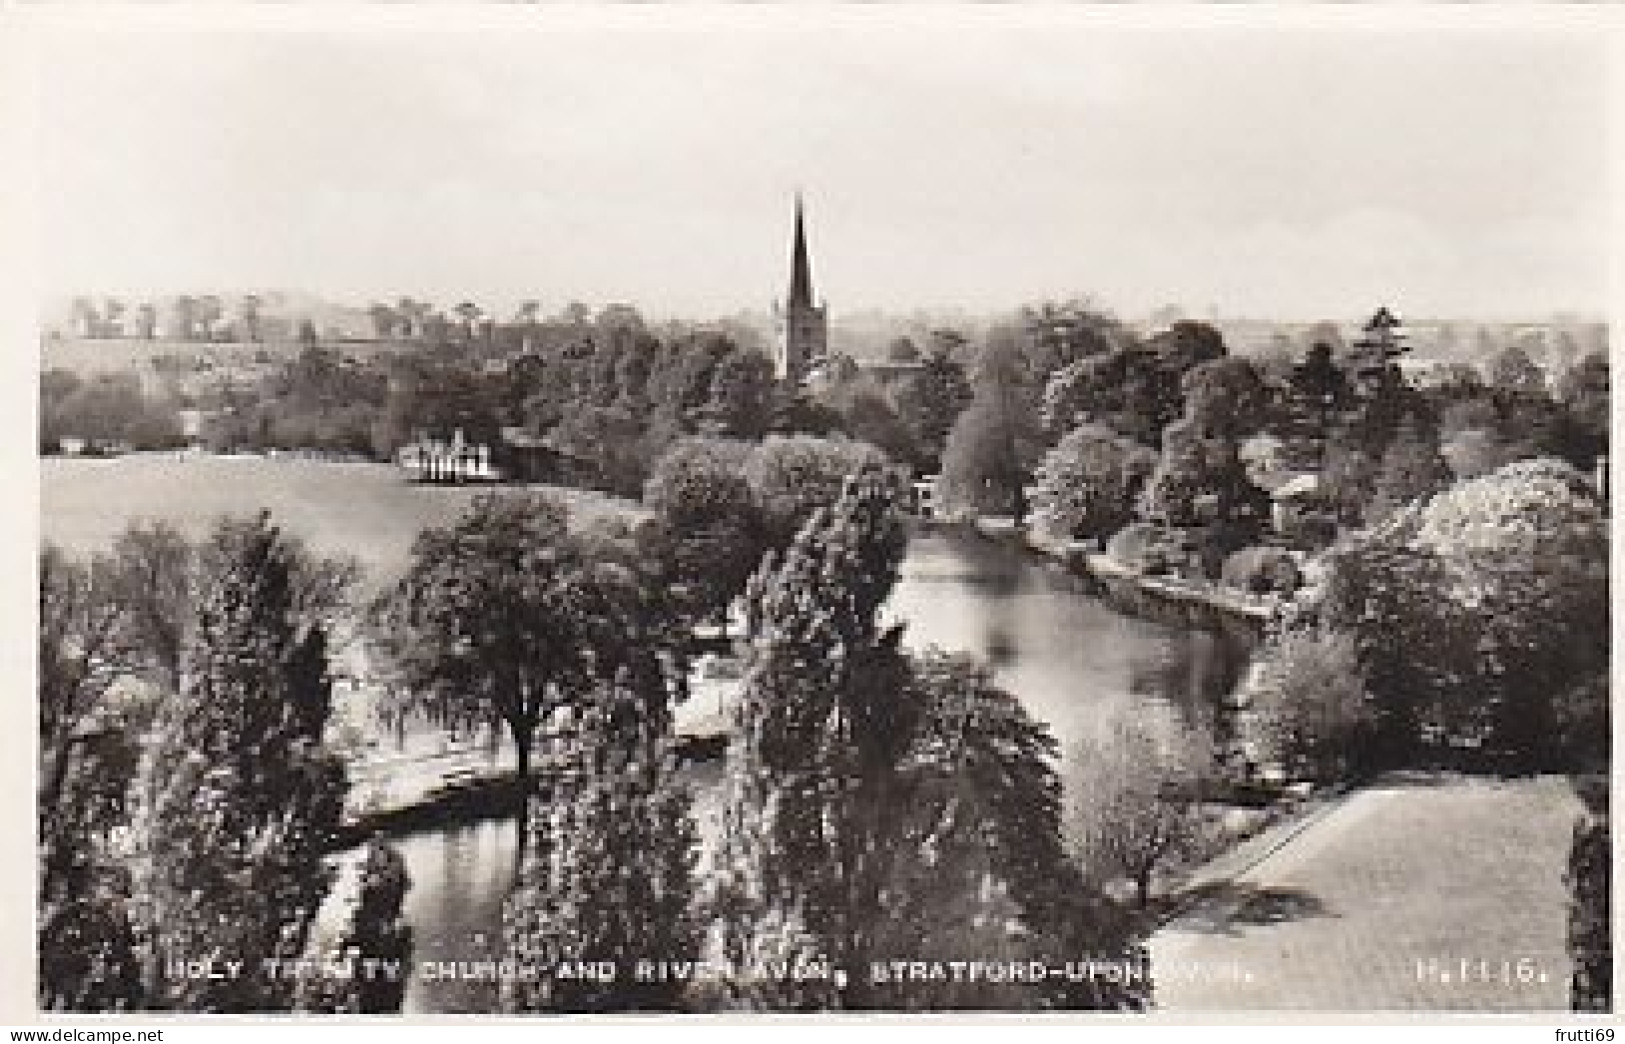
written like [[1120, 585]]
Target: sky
[[959, 161]]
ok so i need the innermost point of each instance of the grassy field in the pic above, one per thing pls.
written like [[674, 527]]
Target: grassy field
[[1429, 894], [368, 511], [104, 355]]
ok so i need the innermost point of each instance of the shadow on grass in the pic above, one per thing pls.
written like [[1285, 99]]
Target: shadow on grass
[[1226, 907]]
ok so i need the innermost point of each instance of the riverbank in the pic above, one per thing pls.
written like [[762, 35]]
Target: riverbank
[[1164, 600]]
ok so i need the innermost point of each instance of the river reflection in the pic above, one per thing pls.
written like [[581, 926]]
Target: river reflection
[[1073, 662]]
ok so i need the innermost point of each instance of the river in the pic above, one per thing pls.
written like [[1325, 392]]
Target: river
[[1071, 660]]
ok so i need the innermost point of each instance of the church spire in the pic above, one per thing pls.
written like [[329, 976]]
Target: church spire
[[800, 266], [804, 336]]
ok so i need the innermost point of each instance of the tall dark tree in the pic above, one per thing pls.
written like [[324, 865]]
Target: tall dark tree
[[1411, 469], [606, 873], [815, 723], [1583, 395], [88, 947], [238, 800], [995, 442], [1317, 392], [1589, 879], [1226, 397], [875, 805], [376, 945], [1200, 480]]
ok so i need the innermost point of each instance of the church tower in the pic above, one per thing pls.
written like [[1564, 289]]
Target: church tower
[[803, 333]]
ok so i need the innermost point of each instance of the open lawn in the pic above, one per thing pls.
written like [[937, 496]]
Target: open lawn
[[84, 355], [1424, 894], [369, 511]]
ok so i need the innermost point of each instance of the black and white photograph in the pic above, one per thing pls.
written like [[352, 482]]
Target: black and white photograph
[[734, 511]]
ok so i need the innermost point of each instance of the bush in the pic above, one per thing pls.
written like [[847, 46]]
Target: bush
[[1151, 550], [1260, 569], [1590, 941], [1583, 727]]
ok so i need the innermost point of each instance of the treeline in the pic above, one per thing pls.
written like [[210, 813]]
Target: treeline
[[187, 317], [1171, 445], [104, 412]]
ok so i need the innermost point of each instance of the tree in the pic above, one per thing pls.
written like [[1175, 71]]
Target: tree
[[929, 400], [1200, 480], [1513, 374], [250, 311], [112, 312], [1348, 477], [607, 439], [975, 859], [1225, 397], [814, 724], [1475, 613], [238, 801], [209, 312], [87, 320], [185, 317], [88, 952], [502, 619], [792, 477], [469, 313], [902, 350], [710, 528], [1058, 334], [1137, 806], [411, 316], [1308, 705], [1583, 394], [1589, 879], [385, 320], [740, 397], [1088, 483], [146, 322], [150, 585], [1379, 396], [1135, 389], [1525, 551], [1372, 359], [308, 338], [995, 442], [376, 945], [606, 873], [1413, 468], [878, 805]]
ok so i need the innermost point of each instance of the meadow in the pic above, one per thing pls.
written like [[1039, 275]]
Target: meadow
[[366, 511]]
